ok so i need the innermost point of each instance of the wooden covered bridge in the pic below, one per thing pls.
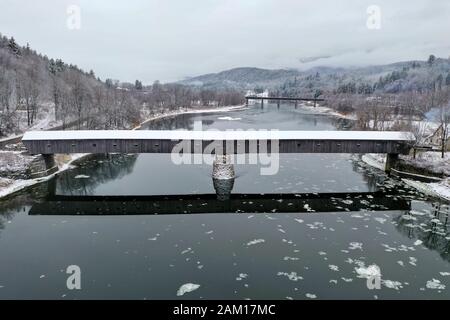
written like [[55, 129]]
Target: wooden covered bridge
[[48, 143]]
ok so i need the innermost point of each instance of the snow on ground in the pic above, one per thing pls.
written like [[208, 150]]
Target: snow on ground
[[328, 111], [435, 189], [14, 161], [431, 161], [9, 186]]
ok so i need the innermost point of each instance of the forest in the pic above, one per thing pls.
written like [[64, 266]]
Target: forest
[[36, 90]]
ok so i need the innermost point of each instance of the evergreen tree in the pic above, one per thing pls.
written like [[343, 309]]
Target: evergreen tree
[[52, 66], [138, 85], [14, 47], [447, 80], [431, 60]]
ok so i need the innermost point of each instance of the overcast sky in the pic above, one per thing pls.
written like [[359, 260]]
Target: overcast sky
[[173, 39]]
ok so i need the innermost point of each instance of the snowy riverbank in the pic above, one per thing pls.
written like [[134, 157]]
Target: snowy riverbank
[[439, 189], [327, 111], [65, 162]]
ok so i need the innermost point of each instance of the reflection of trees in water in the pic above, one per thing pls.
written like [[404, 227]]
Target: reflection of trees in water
[[343, 124], [103, 169], [20, 202], [373, 180], [183, 121], [430, 228]]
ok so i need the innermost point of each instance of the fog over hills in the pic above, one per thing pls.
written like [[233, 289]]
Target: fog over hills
[[406, 75]]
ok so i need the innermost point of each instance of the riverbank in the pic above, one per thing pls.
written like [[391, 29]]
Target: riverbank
[[318, 109], [65, 162], [434, 163]]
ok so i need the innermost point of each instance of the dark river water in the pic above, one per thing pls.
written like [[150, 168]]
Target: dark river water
[[140, 227]]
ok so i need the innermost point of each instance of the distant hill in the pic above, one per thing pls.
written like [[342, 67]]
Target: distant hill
[[390, 78], [243, 78]]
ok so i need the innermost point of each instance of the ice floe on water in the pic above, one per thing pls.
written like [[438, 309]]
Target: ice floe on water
[[392, 284], [82, 176], [435, 284], [256, 241], [333, 267], [380, 220], [186, 288], [186, 251], [299, 220], [229, 118], [444, 274], [368, 272], [291, 258], [241, 276], [316, 225], [291, 275], [311, 296], [355, 245], [418, 242], [412, 261]]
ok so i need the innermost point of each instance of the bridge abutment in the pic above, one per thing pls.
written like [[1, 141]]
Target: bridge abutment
[[391, 161], [42, 166]]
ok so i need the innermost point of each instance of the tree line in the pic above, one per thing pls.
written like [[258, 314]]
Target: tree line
[[31, 84]]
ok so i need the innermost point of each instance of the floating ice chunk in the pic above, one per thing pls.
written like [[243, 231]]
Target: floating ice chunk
[[241, 276], [355, 245], [392, 284], [408, 217], [347, 279], [186, 288], [82, 176], [256, 241], [444, 274], [291, 258], [299, 220], [412, 261], [291, 276], [418, 242], [229, 118], [186, 251], [435, 284], [333, 267], [369, 272], [311, 295], [380, 220]]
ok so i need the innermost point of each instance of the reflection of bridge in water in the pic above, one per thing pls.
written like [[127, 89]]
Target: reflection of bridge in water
[[210, 203]]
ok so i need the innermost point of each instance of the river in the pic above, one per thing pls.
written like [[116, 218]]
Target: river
[[316, 229]]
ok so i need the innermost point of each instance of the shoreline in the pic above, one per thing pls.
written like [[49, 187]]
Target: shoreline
[[21, 184], [439, 189]]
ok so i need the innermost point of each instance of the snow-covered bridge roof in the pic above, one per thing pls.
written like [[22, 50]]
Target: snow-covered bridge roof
[[216, 135]]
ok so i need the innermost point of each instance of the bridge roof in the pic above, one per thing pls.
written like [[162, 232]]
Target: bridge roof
[[216, 135]]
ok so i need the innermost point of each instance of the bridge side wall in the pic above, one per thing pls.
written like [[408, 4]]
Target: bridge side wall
[[246, 146]]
